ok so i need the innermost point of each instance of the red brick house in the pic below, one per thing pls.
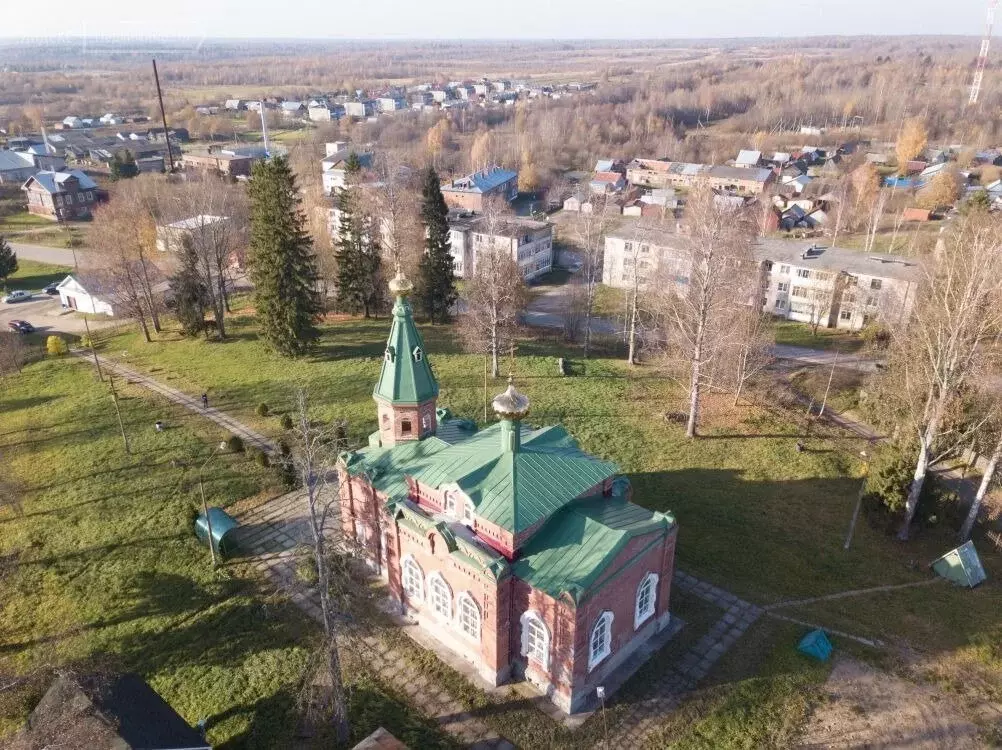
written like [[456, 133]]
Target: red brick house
[[61, 195], [510, 545]]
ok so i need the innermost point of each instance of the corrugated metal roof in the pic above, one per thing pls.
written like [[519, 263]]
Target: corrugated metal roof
[[750, 158], [481, 182], [576, 545]]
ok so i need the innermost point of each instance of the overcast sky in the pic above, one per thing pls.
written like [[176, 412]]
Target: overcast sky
[[453, 19]]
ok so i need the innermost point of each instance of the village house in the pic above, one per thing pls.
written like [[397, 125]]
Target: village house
[[530, 242], [474, 190], [73, 295], [509, 546], [739, 180], [333, 165], [61, 195], [652, 173], [748, 159], [16, 167]]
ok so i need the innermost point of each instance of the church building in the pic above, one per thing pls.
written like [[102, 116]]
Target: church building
[[511, 546]]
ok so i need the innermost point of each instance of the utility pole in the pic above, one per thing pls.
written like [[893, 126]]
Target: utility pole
[[90, 339], [118, 412], [163, 117], [829, 386], [205, 507], [859, 500]]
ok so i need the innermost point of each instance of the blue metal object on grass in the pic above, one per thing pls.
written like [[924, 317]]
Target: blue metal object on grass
[[816, 644]]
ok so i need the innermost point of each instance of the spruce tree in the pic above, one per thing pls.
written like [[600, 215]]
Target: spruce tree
[[437, 289], [281, 261], [190, 293], [356, 250], [8, 261]]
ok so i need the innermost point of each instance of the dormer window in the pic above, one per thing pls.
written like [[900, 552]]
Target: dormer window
[[417, 354], [389, 355]]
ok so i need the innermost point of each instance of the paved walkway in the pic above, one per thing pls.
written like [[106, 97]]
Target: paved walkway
[[250, 437]]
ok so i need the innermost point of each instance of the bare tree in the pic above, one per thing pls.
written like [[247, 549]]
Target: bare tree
[[590, 229], [695, 317], [986, 482], [395, 203], [215, 214], [949, 343], [315, 456], [13, 353], [495, 294], [122, 267], [750, 348]]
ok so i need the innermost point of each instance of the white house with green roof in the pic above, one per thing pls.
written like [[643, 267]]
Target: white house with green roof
[[510, 545]]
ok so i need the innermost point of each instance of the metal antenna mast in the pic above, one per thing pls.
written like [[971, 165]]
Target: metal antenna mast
[[979, 71]]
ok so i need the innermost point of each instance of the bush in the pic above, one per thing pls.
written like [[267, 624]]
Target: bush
[[887, 483], [262, 410], [876, 336], [55, 346], [234, 444], [286, 421], [86, 341], [260, 458], [285, 467]]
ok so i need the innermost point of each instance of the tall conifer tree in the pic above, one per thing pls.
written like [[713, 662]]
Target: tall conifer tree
[[437, 291], [8, 261], [356, 249], [281, 261]]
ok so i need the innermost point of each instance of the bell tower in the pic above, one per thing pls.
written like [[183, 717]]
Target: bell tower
[[406, 392]]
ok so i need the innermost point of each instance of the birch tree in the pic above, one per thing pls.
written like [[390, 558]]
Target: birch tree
[[590, 230], [695, 316], [949, 343], [495, 294], [314, 454], [983, 487]]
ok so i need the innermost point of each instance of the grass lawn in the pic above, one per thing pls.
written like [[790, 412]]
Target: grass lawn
[[23, 220], [610, 302], [101, 567], [32, 275], [792, 333], [755, 516]]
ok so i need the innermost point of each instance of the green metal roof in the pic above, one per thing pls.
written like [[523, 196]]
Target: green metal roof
[[576, 545], [515, 490], [406, 376]]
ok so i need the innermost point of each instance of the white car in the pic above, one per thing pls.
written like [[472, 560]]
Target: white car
[[18, 295]]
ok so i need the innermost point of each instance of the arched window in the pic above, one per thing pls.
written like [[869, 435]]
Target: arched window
[[468, 512], [647, 593], [469, 615], [535, 639], [405, 426], [600, 642], [440, 595], [450, 504], [413, 579]]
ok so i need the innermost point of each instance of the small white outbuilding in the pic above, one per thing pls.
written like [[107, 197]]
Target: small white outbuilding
[[74, 296]]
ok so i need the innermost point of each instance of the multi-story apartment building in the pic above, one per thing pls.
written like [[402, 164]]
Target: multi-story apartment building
[[530, 242], [829, 286], [474, 190], [834, 287]]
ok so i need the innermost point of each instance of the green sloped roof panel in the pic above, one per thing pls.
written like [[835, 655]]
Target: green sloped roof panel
[[406, 376], [574, 547]]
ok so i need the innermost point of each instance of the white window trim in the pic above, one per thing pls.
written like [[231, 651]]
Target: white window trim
[[433, 578], [465, 597], [404, 564], [468, 512], [595, 659], [524, 621], [639, 618], [450, 504]]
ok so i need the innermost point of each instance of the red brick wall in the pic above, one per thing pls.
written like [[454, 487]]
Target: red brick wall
[[469, 201], [392, 417]]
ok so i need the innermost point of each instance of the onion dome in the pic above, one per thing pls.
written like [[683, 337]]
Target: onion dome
[[511, 404], [400, 285]]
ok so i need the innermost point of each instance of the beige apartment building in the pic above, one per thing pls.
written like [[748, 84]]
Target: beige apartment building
[[831, 286]]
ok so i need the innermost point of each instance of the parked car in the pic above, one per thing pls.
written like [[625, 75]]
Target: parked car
[[52, 289], [21, 326], [18, 295]]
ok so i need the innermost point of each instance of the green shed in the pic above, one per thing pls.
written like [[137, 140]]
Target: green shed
[[816, 644], [961, 566], [222, 524]]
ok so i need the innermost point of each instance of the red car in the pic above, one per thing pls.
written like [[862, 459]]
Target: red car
[[21, 326]]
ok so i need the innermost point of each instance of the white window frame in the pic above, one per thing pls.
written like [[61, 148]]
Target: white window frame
[[784, 269], [640, 616], [463, 604], [450, 504], [410, 566], [603, 622], [440, 595], [468, 512], [540, 652]]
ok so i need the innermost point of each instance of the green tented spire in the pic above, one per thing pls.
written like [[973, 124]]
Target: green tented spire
[[406, 377]]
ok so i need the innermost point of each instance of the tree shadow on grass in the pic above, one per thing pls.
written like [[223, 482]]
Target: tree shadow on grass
[[16, 404]]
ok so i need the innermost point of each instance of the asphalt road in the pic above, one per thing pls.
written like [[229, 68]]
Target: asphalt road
[[56, 255]]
